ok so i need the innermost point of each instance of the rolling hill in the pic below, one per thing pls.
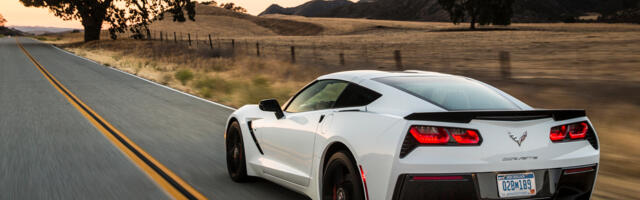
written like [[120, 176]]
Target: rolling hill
[[10, 31], [314, 8], [429, 10], [224, 23]]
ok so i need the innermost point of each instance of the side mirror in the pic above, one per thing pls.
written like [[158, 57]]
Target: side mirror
[[272, 105]]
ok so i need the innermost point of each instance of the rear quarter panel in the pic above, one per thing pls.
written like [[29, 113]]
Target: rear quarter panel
[[372, 139]]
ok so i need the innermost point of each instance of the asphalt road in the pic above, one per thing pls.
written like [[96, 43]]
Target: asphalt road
[[49, 150]]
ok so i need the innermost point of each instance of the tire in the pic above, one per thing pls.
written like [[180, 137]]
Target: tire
[[341, 179], [236, 162]]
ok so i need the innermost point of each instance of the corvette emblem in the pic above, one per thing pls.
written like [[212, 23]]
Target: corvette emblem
[[518, 140]]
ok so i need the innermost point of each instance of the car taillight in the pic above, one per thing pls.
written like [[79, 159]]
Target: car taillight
[[444, 135], [578, 130], [567, 132]]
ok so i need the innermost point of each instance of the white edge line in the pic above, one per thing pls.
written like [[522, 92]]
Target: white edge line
[[164, 86]]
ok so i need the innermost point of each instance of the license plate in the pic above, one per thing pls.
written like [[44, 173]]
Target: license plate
[[516, 185]]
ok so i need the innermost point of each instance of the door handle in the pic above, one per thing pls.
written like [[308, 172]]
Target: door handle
[[321, 118]]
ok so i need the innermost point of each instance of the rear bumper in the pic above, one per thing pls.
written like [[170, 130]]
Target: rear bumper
[[557, 183]]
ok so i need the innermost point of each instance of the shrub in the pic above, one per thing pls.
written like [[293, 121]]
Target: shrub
[[257, 90], [184, 75], [209, 85]]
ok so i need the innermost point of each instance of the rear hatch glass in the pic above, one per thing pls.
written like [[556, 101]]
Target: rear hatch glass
[[451, 93]]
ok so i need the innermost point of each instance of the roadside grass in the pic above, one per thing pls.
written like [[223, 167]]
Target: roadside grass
[[47, 38], [183, 75], [230, 81]]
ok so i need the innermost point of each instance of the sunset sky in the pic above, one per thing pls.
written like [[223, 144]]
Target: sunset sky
[[18, 15]]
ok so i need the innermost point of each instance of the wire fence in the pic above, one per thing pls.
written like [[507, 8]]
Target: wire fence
[[337, 56]]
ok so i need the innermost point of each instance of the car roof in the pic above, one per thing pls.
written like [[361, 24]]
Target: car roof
[[357, 76]]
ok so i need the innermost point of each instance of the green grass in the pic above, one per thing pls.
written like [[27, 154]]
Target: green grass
[[208, 86], [43, 38], [184, 76]]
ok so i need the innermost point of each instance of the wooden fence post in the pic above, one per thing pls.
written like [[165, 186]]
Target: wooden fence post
[[175, 38], [161, 36], [210, 42], [233, 43], [398, 58], [293, 54], [258, 49], [189, 35], [342, 62], [505, 64]]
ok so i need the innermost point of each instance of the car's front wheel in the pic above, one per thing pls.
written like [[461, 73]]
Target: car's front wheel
[[341, 179], [236, 164]]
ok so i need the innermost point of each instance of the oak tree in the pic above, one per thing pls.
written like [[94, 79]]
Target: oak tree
[[483, 12], [120, 15], [2, 20]]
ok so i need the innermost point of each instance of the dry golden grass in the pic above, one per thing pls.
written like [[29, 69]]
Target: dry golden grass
[[590, 66], [233, 82]]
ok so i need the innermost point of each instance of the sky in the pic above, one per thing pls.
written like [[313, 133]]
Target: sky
[[19, 15]]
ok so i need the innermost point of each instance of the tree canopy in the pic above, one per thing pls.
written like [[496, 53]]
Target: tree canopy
[[229, 6], [483, 12], [2, 20], [120, 15]]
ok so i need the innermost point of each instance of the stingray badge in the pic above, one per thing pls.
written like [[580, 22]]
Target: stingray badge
[[518, 140]]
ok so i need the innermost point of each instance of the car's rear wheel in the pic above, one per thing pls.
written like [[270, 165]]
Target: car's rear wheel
[[236, 163], [341, 179]]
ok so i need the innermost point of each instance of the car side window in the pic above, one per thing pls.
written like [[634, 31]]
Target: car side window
[[356, 95], [321, 95]]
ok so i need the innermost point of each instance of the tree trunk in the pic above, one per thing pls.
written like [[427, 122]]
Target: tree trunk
[[148, 33], [473, 22], [91, 30]]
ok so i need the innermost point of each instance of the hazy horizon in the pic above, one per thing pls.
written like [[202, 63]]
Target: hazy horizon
[[15, 12]]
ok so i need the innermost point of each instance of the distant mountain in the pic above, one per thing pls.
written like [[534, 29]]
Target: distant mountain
[[10, 31], [40, 30], [430, 10], [314, 8]]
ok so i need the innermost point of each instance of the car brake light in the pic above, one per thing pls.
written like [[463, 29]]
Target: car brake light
[[437, 178], [443, 135], [578, 170], [430, 134], [558, 133], [578, 130], [574, 131], [463, 136]]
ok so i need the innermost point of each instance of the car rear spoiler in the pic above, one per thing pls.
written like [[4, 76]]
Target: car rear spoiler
[[467, 116]]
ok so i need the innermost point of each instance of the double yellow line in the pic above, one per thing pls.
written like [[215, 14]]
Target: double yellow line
[[165, 178]]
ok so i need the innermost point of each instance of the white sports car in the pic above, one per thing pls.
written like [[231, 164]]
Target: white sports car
[[412, 135]]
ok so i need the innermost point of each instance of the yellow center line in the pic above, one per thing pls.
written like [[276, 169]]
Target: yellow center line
[[164, 177]]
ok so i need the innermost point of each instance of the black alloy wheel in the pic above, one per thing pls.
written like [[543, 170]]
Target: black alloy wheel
[[341, 179], [236, 163]]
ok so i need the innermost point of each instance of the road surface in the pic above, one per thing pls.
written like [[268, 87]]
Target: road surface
[[74, 129]]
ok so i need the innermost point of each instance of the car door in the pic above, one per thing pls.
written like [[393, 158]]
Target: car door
[[288, 143]]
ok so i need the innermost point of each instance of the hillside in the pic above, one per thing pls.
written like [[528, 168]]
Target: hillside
[[429, 10], [40, 30], [314, 8], [10, 31], [224, 23]]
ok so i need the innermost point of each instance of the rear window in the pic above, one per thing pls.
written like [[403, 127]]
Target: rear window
[[451, 93]]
